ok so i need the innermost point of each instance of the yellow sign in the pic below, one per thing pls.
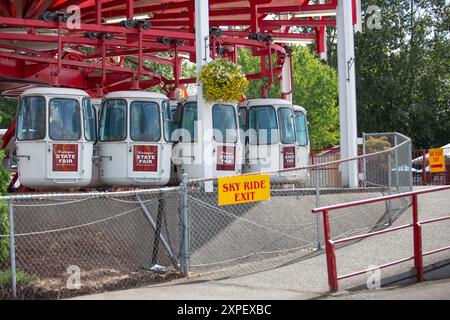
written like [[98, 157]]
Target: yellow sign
[[243, 189], [437, 160]]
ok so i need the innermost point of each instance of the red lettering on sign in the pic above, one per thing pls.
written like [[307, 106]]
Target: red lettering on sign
[[226, 158], [65, 157], [145, 158], [288, 157]]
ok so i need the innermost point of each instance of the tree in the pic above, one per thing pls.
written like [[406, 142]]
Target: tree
[[315, 88], [7, 112], [403, 70], [4, 222]]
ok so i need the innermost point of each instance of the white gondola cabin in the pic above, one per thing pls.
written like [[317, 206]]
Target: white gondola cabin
[[301, 131], [55, 135], [271, 140], [134, 139], [227, 146]]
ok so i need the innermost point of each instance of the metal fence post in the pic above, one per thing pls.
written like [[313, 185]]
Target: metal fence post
[[389, 188], [396, 163], [364, 160], [409, 159], [12, 249], [184, 263], [316, 178]]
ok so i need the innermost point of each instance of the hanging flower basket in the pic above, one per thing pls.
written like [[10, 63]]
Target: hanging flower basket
[[223, 81]]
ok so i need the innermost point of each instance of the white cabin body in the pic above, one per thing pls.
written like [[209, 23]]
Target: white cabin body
[[96, 182], [55, 136], [303, 143], [134, 139], [271, 142], [226, 145]]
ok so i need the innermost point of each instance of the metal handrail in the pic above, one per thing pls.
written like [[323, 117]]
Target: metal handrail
[[417, 234]]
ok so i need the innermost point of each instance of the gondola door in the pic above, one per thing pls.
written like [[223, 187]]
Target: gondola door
[[144, 147]]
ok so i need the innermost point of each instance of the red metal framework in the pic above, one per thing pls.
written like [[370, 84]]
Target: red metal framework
[[100, 55], [330, 245]]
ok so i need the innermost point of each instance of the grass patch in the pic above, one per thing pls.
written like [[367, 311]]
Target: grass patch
[[22, 278]]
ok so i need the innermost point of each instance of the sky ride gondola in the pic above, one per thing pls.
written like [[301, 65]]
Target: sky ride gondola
[[55, 136]]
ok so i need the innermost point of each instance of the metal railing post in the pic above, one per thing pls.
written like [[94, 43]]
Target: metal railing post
[[410, 177], [316, 178], [424, 167], [331, 257], [12, 249], [417, 230], [184, 263]]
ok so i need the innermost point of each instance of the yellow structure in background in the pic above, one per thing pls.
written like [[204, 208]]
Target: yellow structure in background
[[437, 160], [243, 189]]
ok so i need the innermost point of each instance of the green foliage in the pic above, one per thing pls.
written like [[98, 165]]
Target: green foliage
[[4, 230], [316, 89], [22, 278], [4, 222], [188, 70], [223, 81], [403, 70], [7, 112]]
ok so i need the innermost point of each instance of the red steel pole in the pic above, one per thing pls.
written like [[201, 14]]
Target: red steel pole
[[98, 12], [417, 230], [140, 60], [424, 166], [130, 9], [331, 257]]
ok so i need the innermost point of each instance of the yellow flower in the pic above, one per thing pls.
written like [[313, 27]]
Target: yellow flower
[[223, 81]]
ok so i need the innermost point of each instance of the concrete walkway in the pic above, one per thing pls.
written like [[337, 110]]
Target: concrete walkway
[[307, 279]]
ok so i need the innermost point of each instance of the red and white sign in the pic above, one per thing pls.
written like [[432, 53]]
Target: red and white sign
[[288, 157], [226, 158], [65, 157], [145, 158]]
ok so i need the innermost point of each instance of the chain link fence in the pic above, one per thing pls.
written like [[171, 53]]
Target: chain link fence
[[230, 241], [69, 244]]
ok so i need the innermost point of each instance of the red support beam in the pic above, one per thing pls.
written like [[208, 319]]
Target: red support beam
[[130, 9], [4, 9], [89, 13], [65, 4], [92, 27], [253, 16], [43, 6], [98, 12]]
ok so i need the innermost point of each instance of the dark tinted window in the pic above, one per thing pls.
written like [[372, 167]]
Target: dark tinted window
[[286, 120], [31, 118], [224, 123], [168, 121], [263, 128], [113, 124], [64, 119], [188, 119], [145, 124], [89, 120], [301, 128]]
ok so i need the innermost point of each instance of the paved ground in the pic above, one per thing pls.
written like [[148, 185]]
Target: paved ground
[[436, 288], [307, 279]]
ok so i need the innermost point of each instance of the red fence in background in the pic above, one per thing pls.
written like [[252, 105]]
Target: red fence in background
[[330, 245], [330, 175], [420, 166]]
